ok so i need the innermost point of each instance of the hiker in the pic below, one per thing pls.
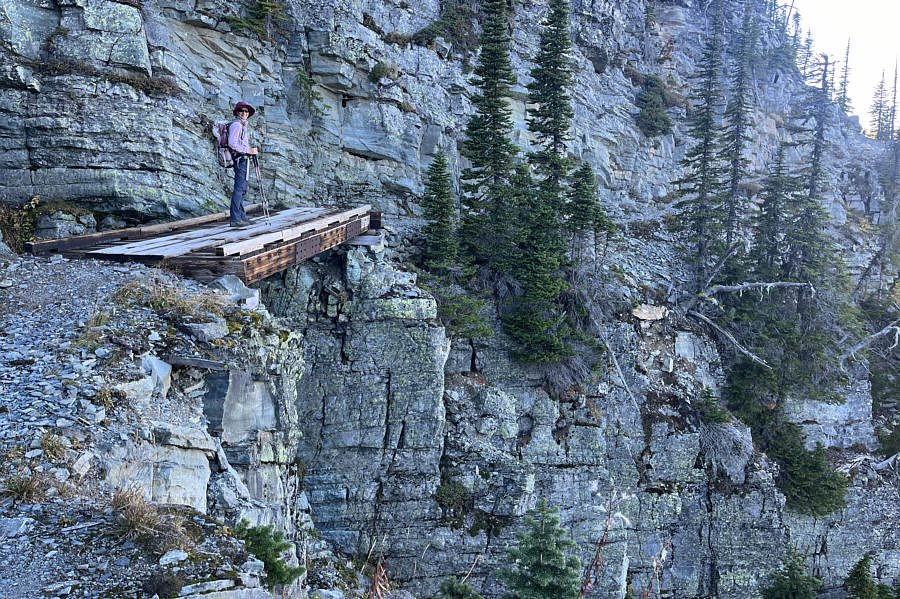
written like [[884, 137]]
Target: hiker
[[239, 142]]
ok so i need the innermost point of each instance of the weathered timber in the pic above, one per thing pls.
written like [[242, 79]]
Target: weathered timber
[[39, 248], [207, 248]]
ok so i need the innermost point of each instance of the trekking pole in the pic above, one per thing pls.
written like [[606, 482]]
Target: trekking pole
[[262, 192]]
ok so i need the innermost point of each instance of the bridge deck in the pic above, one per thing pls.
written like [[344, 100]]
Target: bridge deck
[[206, 247]]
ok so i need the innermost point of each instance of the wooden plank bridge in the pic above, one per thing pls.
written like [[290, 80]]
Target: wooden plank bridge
[[207, 247]]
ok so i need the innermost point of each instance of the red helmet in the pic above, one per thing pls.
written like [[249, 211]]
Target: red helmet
[[240, 105]]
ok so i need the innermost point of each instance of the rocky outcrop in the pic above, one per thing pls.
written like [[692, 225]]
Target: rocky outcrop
[[351, 412]]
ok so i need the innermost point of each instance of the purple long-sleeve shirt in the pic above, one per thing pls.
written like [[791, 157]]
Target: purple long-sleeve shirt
[[239, 137]]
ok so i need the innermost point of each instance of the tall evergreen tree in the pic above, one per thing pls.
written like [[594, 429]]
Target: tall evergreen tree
[[537, 321], [439, 212], [892, 109], [701, 187], [805, 59], [550, 113], [843, 99], [486, 213], [737, 123], [798, 32], [768, 241], [541, 562], [811, 251], [878, 111], [587, 215]]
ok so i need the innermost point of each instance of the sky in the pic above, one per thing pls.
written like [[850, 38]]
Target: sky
[[873, 27]]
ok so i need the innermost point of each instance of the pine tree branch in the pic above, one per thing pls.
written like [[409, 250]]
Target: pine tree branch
[[731, 338]]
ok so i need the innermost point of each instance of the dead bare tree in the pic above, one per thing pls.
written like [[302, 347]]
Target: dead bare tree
[[658, 563], [613, 518]]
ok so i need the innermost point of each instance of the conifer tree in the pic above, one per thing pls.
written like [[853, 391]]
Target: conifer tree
[[791, 581], [737, 123], [811, 250], [878, 110], [859, 583], [486, 214], [798, 31], [439, 211], [701, 187], [536, 320], [768, 242], [541, 564], [806, 54], [892, 109], [586, 213], [550, 115], [843, 99]]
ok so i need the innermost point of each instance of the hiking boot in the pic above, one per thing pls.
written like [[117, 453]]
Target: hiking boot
[[240, 224]]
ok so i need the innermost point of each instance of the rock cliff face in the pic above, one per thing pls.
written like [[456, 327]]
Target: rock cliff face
[[427, 448]]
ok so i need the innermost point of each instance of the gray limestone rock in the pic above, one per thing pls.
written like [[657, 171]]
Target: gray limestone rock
[[61, 224], [206, 331]]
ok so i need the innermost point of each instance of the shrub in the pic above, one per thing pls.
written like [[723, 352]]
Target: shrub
[[382, 70], [459, 312], [809, 483], [18, 224], [451, 589], [267, 545], [455, 500], [791, 581], [27, 487], [52, 446], [455, 26], [163, 584], [890, 441], [652, 119]]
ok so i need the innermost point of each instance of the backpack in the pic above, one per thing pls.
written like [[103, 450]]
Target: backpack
[[224, 154]]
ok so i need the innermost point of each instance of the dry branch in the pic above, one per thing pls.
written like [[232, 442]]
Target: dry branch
[[740, 288], [731, 338], [894, 328]]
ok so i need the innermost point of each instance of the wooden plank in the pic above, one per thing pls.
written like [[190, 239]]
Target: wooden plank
[[274, 260], [259, 242], [144, 247], [169, 247], [228, 235], [80, 241], [159, 241]]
